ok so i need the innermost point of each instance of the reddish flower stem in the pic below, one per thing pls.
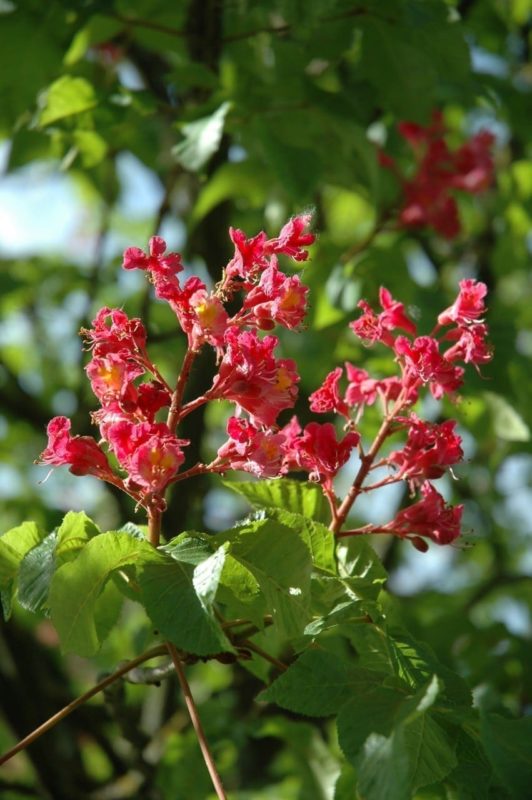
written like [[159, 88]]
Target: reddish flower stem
[[174, 414], [103, 684], [154, 525], [196, 722], [365, 466]]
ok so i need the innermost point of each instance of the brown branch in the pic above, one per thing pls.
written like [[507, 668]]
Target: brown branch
[[68, 709], [196, 722]]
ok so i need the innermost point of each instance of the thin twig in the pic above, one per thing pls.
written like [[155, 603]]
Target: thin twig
[[260, 652], [196, 722], [103, 684]]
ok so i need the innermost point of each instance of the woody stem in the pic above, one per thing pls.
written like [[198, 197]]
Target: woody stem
[[196, 722], [365, 466]]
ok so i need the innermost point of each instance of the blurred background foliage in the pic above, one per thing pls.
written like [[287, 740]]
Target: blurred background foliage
[[123, 119]]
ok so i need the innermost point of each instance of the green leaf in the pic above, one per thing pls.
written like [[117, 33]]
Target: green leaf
[[507, 423], [383, 773], [35, 574], [318, 538], [190, 547], [473, 774], [66, 97], [207, 576], [281, 564], [361, 568], [73, 534], [318, 684], [14, 545], [508, 743], [246, 180], [202, 139], [77, 585], [300, 497], [170, 599], [385, 734]]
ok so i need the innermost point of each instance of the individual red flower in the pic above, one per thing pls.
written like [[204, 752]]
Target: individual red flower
[[469, 305], [430, 517], [155, 261], [470, 345], [111, 378], [393, 313], [429, 450], [372, 328], [252, 256], [276, 299], [152, 396], [327, 397], [249, 258], [293, 240], [363, 390], [203, 318], [148, 451], [163, 269], [424, 363], [82, 454], [317, 451], [258, 452], [252, 377], [122, 334]]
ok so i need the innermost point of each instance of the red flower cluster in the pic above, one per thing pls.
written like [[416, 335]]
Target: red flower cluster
[[428, 195], [131, 391], [430, 448]]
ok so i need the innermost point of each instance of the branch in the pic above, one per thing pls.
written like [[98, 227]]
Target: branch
[[196, 722], [103, 684]]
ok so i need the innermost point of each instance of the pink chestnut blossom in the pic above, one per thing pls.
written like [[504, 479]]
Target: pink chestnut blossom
[[276, 299], [372, 327], [258, 452], [252, 377], [252, 255], [430, 448], [111, 378], [148, 451], [424, 363], [122, 334], [81, 453], [470, 345], [427, 196], [317, 451], [430, 517], [292, 240], [327, 397], [468, 306]]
